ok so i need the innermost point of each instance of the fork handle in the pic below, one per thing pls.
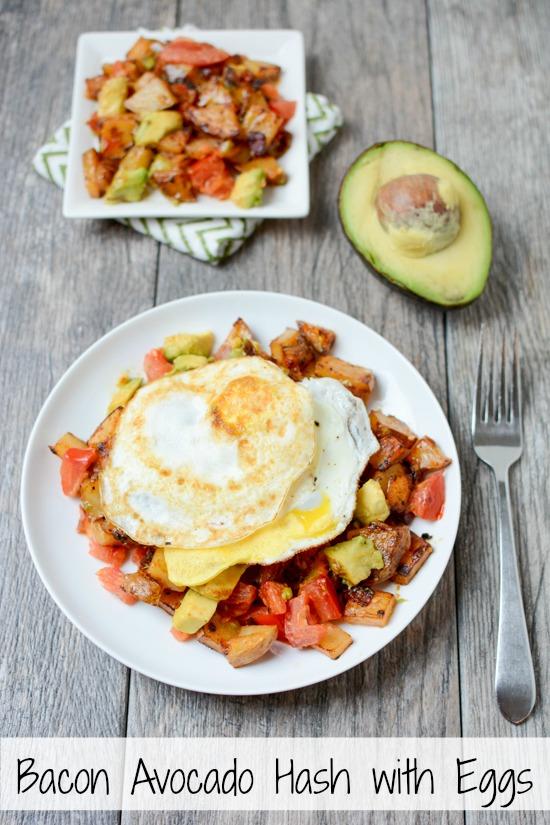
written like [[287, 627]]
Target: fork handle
[[515, 678]]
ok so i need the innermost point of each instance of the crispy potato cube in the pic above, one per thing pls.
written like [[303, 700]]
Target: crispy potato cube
[[94, 86], [90, 498], [96, 530], [412, 560], [377, 612], [151, 97], [158, 571], [240, 341], [260, 124], [398, 492], [216, 633], [391, 541], [251, 643], [170, 600], [175, 142], [292, 352], [383, 477], [426, 456], [102, 435], [321, 339], [358, 380], [98, 172], [67, 442], [117, 135], [391, 452], [334, 642], [274, 174], [216, 119], [383, 425], [142, 586]]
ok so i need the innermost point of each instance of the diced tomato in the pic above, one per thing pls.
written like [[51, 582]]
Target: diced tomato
[[95, 123], [156, 365], [298, 628], [428, 498], [83, 522], [180, 636], [270, 91], [111, 578], [112, 554], [183, 50], [239, 602], [322, 595], [74, 465], [272, 595], [211, 176], [262, 616], [283, 108]]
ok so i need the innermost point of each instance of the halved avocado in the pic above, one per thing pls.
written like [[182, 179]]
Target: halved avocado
[[418, 221]]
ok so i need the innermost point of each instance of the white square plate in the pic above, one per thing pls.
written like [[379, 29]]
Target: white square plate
[[284, 47]]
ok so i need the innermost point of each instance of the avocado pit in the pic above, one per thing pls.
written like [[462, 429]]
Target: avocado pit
[[420, 213]]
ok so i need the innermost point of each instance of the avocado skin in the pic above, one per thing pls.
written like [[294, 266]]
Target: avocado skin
[[385, 276]]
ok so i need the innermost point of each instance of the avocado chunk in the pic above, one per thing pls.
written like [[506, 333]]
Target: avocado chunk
[[125, 390], [418, 221], [184, 363], [156, 125], [248, 189], [194, 611], [110, 100], [222, 585], [371, 503], [353, 560], [131, 177], [158, 571], [188, 343]]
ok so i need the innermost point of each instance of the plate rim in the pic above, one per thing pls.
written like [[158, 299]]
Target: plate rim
[[24, 497], [73, 209]]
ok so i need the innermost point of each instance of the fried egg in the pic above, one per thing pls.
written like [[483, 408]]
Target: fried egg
[[321, 502], [207, 457]]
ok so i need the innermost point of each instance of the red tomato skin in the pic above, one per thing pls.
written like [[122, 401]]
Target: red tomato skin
[[74, 466], [270, 91], [239, 602], [298, 630], [210, 176], [262, 616], [284, 108], [113, 554], [111, 579], [428, 498], [271, 593], [184, 50], [155, 365], [322, 595]]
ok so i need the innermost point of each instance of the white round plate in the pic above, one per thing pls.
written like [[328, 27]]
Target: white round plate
[[138, 636]]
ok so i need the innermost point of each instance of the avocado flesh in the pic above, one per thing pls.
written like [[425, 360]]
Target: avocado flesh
[[450, 277], [248, 189], [194, 612], [354, 560]]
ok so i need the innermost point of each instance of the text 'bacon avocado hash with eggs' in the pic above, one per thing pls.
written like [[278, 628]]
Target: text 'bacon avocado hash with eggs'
[[186, 118], [255, 495]]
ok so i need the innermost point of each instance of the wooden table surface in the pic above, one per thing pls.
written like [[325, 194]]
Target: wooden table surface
[[471, 79]]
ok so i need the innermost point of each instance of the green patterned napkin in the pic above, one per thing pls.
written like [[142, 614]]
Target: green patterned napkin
[[207, 239]]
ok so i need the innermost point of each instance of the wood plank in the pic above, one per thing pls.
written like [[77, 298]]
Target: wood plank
[[490, 69], [363, 56], [57, 298]]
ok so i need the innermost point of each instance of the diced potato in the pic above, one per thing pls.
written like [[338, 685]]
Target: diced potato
[[214, 91], [144, 52], [216, 119], [175, 143], [334, 642], [152, 97], [371, 503], [376, 612], [358, 380], [412, 560], [67, 442], [239, 342], [392, 541], [102, 435], [384, 477], [292, 352], [117, 135], [398, 492], [142, 81], [158, 571], [383, 425], [391, 451], [251, 643], [201, 147], [217, 633], [321, 339], [111, 97], [98, 172], [142, 586], [426, 456], [94, 85], [261, 121], [90, 498], [96, 530], [275, 175]]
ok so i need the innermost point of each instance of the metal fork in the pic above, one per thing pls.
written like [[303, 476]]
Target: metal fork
[[497, 436]]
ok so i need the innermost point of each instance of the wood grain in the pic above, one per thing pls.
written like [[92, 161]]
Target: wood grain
[[412, 686], [490, 69]]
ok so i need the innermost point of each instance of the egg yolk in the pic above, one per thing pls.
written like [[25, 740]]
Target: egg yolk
[[192, 567]]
